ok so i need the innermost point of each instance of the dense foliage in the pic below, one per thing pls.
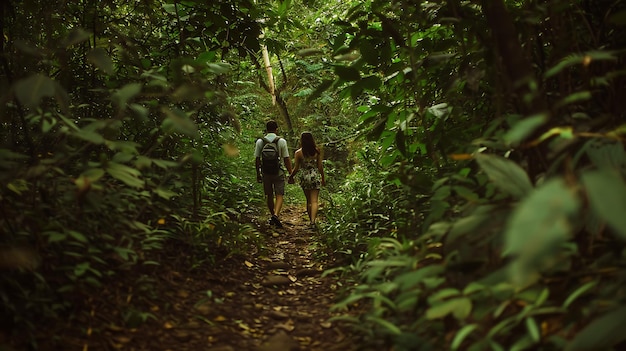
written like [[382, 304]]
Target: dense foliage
[[511, 112], [474, 152], [118, 150]]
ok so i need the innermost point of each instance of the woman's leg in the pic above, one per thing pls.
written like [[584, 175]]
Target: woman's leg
[[307, 194], [313, 196]]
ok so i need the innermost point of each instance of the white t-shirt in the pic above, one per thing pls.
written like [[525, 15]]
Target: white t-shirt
[[283, 151]]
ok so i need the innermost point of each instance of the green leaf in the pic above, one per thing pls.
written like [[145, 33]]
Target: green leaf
[[76, 36], [101, 59], [47, 125], [8, 159], [166, 194], [81, 268], [473, 287], [609, 155], [579, 59], [140, 111], [523, 344], [461, 335], [578, 292], [574, 98], [602, 333], [125, 94], [411, 279], [533, 329], [218, 68], [539, 225], [125, 253], [123, 146], [123, 157], [309, 52], [89, 136], [178, 121], [143, 162], [607, 195], [439, 110], [29, 91], [524, 128], [55, 236], [78, 236], [505, 174], [460, 307], [443, 294], [390, 327], [470, 223], [351, 299], [128, 175], [465, 193]]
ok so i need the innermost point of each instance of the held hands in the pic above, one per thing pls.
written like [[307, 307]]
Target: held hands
[[291, 180]]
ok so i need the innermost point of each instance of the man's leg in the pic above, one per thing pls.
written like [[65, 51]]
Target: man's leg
[[270, 203], [279, 204], [268, 188], [279, 192]]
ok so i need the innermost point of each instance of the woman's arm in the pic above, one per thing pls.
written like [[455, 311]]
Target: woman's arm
[[297, 160]]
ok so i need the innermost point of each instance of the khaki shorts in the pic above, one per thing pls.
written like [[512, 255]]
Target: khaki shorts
[[274, 184]]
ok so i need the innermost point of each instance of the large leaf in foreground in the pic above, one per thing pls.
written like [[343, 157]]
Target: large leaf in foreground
[[505, 174], [607, 195], [30, 91], [539, 225], [602, 333]]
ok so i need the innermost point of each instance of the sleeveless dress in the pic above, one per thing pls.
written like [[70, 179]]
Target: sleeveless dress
[[308, 177]]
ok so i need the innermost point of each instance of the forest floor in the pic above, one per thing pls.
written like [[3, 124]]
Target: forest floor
[[276, 299]]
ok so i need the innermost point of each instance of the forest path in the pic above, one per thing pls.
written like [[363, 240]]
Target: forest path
[[286, 302], [273, 300]]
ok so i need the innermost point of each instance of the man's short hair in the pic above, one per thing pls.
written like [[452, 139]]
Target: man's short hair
[[271, 126]]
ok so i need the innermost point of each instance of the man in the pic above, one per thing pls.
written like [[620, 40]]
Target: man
[[273, 184]]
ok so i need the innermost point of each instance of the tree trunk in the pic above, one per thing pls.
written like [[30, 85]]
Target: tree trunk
[[516, 64]]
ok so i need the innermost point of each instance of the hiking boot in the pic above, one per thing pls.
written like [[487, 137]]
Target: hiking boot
[[275, 221]]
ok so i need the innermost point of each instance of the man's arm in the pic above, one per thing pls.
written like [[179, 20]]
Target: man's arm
[[287, 161], [257, 163], [284, 151]]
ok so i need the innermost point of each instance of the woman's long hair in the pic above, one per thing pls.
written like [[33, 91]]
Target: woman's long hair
[[308, 144]]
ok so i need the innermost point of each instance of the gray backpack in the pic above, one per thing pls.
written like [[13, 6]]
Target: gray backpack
[[270, 157]]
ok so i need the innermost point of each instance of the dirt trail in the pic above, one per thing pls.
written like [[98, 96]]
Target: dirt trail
[[287, 302], [273, 300]]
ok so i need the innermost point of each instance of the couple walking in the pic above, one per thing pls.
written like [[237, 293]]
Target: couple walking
[[307, 165]]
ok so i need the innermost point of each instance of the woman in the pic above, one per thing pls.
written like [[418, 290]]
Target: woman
[[308, 159]]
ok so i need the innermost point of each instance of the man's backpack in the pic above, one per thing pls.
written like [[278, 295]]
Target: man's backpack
[[270, 156]]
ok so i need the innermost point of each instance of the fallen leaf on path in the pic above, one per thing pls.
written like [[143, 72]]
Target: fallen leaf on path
[[288, 326], [122, 339], [249, 264]]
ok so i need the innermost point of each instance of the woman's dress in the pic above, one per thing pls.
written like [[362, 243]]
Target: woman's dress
[[309, 177]]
